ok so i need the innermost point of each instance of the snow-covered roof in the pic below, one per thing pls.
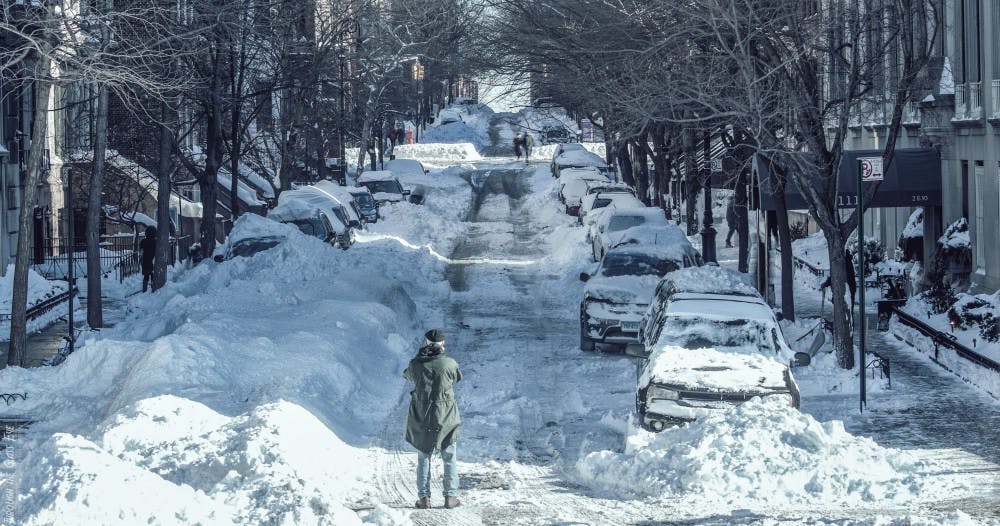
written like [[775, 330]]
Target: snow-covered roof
[[720, 307], [713, 370], [150, 183], [247, 194], [376, 175], [579, 158], [708, 279]]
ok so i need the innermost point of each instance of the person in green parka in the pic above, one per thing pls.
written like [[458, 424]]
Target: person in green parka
[[432, 423]]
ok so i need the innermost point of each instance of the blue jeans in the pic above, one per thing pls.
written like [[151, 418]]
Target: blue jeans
[[450, 457]]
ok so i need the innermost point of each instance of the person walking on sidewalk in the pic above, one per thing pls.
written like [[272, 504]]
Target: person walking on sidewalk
[[432, 422], [518, 141], [529, 143], [147, 253], [730, 223]]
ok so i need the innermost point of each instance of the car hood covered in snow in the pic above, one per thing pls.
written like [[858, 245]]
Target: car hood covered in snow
[[714, 370], [580, 158]]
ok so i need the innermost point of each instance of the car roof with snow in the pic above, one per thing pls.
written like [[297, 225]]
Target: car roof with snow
[[707, 280], [609, 186], [650, 235], [405, 167], [713, 370], [649, 214], [720, 307], [376, 175], [249, 226], [589, 173], [580, 157], [670, 252]]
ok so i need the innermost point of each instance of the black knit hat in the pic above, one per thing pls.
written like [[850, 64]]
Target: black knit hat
[[434, 336]]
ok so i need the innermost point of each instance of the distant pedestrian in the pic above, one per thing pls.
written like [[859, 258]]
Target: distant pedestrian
[[433, 421], [852, 278], [730, 223], [529, 143], [147, 253], [518, 141]]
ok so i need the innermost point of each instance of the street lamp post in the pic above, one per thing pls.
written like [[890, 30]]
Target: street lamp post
[[707, 232], [70, 278], [340, 128]]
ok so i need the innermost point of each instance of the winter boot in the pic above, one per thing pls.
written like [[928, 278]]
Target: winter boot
[[423, 503], [452, 502]]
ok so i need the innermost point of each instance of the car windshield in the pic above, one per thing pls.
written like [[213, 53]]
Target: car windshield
[[249, 247], [341, 215], [364, 200], [601, 203], [636, 265], [695, 333], [311, 227], [387, 187]]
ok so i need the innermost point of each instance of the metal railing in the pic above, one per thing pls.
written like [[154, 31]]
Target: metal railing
[[118, 255], [960, 108], [942, 339], [911, 113], [996, 98]]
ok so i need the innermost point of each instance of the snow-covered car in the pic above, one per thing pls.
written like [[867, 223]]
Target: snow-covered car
[[405, 167], [598, 187], [573, 186], [304, 201], [574, 158], [712, 342], [448, 116], [252, 234], [678, 384], [618, 291], [384, 186], [310, 220], [649, 235], [366, 203], [344, 195], [592, 205], [615, 220], [556, 135]]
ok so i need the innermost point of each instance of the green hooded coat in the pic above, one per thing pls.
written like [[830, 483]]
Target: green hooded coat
[[433, 421]]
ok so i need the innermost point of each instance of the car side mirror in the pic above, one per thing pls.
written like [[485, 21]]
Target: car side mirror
[[584, 276], [801, 359], [354, 224], [406, 192], [636, 349], [219, 258], [426, 171]]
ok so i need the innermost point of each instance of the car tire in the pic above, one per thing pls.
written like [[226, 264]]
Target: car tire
[[586, 343]]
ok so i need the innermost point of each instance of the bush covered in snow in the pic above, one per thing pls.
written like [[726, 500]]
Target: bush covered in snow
[[980, 311]]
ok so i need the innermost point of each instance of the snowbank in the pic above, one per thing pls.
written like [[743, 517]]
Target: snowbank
[[812, 250], [760, 451], [39, 290], [438, 153]]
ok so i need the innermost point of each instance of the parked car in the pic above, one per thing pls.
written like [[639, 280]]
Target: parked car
[[573, 186], [618, 219], [596, 187], [311, 220], [405, 167], [712, 342], [648, 235], [618, 292], [593, 205], [332, 207], [253, 234], [576, 158], [384, 186], [448, 116], [556, 135], [342, 194], [367, 204]]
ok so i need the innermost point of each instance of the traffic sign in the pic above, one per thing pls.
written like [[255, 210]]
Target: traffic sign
[[716, 166], [871, 169]]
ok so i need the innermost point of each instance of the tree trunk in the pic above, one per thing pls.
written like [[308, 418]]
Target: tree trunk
[[625, 163], [843, 341], [213, 160], [235, 152], [642, 174], [95, 313], [661, 167], [692, 186], [163, 190], [740, 201], [19, 300], [785, 242]]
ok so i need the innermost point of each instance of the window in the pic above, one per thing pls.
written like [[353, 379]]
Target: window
[[965, 189], [13, 197], [970, 33], [980, 223]]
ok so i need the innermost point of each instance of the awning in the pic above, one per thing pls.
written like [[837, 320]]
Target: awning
[[913, 179]]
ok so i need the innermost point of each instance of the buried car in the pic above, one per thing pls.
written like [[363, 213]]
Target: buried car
[[252, 234], [617, 294], [714, 343], [384, 186], [614, 220]]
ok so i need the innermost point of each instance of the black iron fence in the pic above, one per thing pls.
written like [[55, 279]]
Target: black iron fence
[[119, 257]]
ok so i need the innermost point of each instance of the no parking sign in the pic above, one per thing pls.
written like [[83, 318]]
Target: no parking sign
[[871, 168]]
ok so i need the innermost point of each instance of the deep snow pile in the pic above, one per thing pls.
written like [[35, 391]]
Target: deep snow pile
[[243, 392], [761, 451], [439, 153], [39, 290]]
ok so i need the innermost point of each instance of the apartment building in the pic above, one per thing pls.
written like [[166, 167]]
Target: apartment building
[[960, 116]]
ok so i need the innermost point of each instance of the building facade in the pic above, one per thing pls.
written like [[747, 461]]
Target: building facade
[[961, 117]]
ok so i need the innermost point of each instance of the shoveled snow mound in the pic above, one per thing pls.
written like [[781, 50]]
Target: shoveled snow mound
[[439, 152], [39, 290], [545, 152], [760, 451], [183, 463]]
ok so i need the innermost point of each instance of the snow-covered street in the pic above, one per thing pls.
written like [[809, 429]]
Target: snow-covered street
[[267, 390]]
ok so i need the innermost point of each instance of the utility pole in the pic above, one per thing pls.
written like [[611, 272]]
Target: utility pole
[[340, 128]]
